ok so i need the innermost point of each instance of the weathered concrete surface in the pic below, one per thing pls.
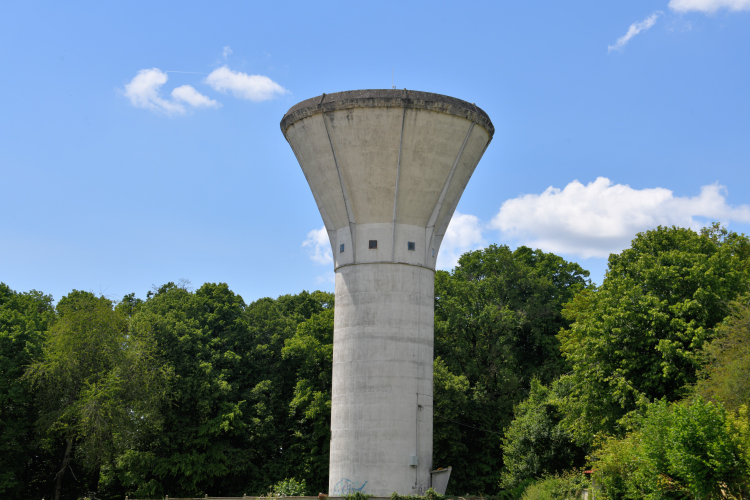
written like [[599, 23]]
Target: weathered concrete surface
[[382, 378], [388, 166]]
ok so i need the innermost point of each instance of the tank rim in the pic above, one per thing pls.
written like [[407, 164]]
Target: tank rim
[[376, 98]]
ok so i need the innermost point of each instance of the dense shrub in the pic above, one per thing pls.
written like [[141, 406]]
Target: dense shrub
[[564, 486], [692, 449], [288, 488]]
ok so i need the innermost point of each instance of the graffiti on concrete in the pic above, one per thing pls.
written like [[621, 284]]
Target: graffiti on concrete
[[348, 487]]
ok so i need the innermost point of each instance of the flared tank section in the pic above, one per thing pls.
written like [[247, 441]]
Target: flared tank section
[[387, 169]]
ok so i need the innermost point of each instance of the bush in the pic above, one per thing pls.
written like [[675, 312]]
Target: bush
[[726, 376], [358, 495], [617, 466], [429, 495], [288, 488], [692, 449], [564, 486]]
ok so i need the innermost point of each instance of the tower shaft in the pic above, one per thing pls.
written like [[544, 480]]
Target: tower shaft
[[381, 414]]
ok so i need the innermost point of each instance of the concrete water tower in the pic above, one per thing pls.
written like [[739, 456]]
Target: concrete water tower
[[386, 168]]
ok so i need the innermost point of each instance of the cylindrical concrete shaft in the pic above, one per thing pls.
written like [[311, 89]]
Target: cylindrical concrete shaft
[[381, 421]]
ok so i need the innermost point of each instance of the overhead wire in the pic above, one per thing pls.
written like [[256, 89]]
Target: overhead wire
[[467, 425]]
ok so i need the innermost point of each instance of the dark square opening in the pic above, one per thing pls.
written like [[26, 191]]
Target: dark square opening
[[411, 245], [341, 248], [373, 244]]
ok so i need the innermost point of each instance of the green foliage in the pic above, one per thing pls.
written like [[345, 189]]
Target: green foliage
[[618, 466], [431, 494], [288, 488], [428, 495], [738, 425], [357, 495], [97, 386], [692, 445], [536, 444], [496, 317], [692, 449], [639, 336], [305, 305], [450, 398], [311, 351], [216, 405], [242, 411], [568, 485], [726, 375], [24, 320]]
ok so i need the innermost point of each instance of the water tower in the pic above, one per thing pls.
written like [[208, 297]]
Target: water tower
[[386, 169]]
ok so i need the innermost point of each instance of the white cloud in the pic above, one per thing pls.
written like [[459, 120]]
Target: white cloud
[[226, 52], [188, 94], [318, 246], [243, 86], [464, 233], [602, 218], [633, 30], [708, 6], [144, 91]]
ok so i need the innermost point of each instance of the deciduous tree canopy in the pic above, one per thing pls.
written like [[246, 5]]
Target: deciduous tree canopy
[[496, 319], [638, 337]]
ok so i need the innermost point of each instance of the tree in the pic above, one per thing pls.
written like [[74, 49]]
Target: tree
[[228, 429], [496, 317], [451, 395], [536, 444], [311, 349], [96, 385], [201, 337], [24, 320], [638, 337]]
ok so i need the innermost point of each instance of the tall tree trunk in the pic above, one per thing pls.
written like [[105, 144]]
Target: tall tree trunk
[[61, 473]]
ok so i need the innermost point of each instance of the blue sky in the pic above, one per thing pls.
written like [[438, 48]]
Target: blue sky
[[140, 141]]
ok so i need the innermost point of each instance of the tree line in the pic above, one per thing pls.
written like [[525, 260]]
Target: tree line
[[538, 373]]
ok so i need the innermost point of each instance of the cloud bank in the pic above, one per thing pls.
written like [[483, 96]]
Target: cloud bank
[[633, 30], [592, 220], [144, 91], [708, 6], [254, 88], [602, 218]]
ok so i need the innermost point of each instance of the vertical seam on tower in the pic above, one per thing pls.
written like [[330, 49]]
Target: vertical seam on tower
[[440, 223], [398, 175], [436, 211], [347, 204]]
